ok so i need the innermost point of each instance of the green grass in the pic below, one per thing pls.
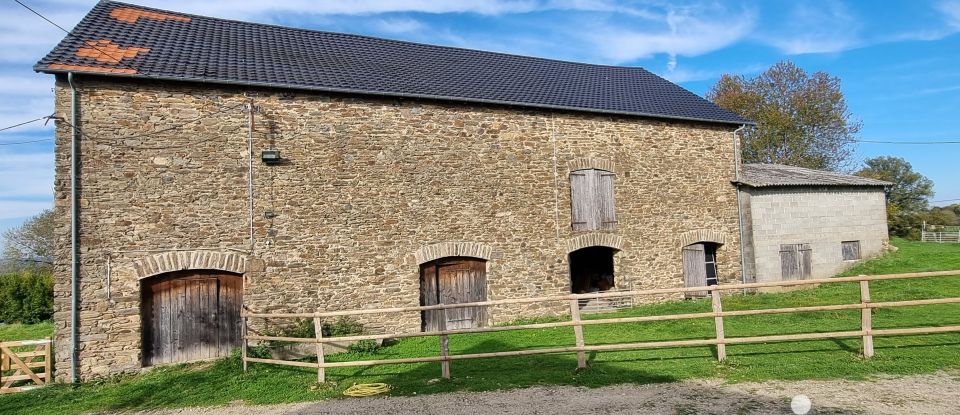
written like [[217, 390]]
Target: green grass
[[17, 331], [223, 381]]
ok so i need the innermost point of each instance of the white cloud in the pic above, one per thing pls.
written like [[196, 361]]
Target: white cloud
[[245, 8], [951, 12], [682, 32], [824, 28], [398, 25]]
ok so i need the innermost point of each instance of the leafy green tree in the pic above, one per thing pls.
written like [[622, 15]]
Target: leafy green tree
[[802, 119], [946, 215], [29, 245], [907, 198]]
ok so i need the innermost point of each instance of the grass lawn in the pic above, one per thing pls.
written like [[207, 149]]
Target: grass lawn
[[19, 331], [223, 381]]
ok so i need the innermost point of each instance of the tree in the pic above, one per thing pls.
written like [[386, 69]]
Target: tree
[[907, 198], [802, 119], [30, 244]]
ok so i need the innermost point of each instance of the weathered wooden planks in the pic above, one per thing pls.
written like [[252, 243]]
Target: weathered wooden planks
[[694, 269], [191, 315], [453, 281], [22, 362]]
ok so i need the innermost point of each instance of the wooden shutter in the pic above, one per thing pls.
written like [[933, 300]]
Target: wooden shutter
[[583, 200], [608, 216], [591, 200], [805, 260], [694, 269], [850, 250]]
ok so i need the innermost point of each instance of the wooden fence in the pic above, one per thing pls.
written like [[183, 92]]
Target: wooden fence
[[17, 366], [865, 305]]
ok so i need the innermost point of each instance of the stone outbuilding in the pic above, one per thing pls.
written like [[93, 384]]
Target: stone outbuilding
[[801, 223], [221, 165]]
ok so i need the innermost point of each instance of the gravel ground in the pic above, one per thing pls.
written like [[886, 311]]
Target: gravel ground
[[925, 394]]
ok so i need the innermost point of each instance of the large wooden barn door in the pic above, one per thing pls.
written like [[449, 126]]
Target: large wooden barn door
[[190, 315], [453, 281]]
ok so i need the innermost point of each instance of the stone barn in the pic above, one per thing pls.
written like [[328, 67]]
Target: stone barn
[[204, 166], [800, 223]]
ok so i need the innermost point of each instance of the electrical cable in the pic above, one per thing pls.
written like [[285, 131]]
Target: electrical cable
[[23, 123]]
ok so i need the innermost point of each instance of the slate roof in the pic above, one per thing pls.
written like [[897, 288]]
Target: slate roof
[[769, 175], [123, 40]]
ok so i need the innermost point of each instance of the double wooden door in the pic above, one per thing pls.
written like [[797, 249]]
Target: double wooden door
[[453, 281], [190, 315]]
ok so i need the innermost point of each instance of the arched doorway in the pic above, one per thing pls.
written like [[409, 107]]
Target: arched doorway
[[591, 269], [453, 280], [190, 315], [699, 266]]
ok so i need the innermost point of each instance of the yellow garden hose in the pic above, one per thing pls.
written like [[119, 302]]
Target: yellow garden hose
[[367, 389]]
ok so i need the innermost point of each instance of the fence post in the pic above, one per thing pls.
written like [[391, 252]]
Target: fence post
[[578, 333], [46, 361], [444, 346], [718, 320], [866, 319], [318, 330], [243, 347]]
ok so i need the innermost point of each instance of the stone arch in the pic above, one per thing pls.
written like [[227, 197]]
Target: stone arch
[[164, 262], [583, 163], [702, 235], [595, 239], [453, 249]]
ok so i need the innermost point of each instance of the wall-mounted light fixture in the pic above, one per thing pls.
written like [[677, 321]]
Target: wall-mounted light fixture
[[270, 156]]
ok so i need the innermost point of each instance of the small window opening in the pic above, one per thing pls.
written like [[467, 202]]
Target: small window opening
[[591, 269], [851, 250]]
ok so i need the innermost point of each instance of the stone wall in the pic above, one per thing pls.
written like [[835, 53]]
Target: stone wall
[[820, 216], [368, 188]]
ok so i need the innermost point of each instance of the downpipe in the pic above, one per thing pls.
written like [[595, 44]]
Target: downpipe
[[74, 233], [736, 179]]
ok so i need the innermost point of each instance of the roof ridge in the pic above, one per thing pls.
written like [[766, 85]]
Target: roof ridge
[[188, 47], [409, 42]]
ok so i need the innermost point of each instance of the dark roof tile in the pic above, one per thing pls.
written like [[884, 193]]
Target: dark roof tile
[[196, 48]]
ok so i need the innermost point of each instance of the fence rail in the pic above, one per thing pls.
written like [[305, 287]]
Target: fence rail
[[941, 237], [866, 332], [17, 366]]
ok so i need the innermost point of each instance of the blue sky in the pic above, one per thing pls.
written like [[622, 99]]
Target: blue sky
[[899, 61]]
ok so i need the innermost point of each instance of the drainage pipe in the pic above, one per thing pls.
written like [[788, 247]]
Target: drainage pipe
[[736, 181], [74, 233]]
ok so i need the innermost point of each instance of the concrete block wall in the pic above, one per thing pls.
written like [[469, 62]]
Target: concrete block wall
[[822, 216]]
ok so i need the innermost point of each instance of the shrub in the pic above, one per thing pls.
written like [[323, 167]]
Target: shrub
[[26, 297], [364, 346]]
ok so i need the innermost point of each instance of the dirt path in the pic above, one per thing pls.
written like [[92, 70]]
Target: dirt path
[[926, 394]]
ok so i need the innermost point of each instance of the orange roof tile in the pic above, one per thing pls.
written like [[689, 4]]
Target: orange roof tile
[[132, 15], [87, 68], [104, 50]]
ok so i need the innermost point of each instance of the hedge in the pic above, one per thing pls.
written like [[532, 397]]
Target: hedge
[[26, 297]]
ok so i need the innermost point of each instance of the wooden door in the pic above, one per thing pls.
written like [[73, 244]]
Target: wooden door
[[796, 261], [453, 281], [694, 269], [190, 315]]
